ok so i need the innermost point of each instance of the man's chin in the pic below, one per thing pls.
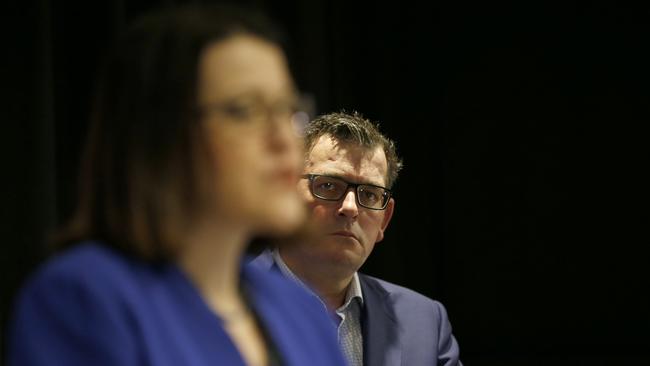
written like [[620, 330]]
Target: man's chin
[[344, 258]]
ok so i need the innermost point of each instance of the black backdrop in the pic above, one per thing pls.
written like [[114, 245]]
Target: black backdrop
[[523, 203]]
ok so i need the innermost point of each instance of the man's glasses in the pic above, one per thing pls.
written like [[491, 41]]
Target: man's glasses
[[333, 189]]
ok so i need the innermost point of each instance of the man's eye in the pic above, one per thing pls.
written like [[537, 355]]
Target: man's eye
[[370, 196], [327, 186]]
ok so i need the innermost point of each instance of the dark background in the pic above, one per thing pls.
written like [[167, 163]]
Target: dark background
[[523, 204]]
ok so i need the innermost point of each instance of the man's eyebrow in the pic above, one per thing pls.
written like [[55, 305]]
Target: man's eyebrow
[[341, 177]]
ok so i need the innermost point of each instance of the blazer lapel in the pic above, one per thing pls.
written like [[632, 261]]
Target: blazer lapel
[[381, 344]]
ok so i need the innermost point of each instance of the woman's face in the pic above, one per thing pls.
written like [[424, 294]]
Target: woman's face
[[248, 99]]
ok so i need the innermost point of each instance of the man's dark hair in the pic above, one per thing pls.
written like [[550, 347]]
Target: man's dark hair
[[145, 172], [355, 129]]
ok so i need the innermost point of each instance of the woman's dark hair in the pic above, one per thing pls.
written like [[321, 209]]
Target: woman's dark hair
[[146, 170]]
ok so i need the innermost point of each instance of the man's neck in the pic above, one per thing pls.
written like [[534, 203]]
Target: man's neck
[[330, 286]]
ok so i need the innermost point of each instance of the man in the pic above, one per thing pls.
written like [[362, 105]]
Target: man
[[350, 167]]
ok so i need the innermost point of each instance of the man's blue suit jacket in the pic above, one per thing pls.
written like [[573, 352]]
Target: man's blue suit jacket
[[399, 326], [403, 327]]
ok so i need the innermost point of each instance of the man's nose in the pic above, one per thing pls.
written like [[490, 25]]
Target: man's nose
[[349, 206]]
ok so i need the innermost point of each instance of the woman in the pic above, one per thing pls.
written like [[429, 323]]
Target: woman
[[192, 152]]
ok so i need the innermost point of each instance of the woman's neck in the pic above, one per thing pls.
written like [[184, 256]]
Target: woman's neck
[[211, 257]]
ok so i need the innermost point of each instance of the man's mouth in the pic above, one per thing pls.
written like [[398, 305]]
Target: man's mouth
[[344, 233]]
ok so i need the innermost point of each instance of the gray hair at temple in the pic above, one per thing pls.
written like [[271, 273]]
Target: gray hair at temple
[[355, 129]]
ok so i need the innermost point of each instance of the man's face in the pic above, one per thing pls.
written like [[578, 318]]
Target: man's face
[[346, 233]]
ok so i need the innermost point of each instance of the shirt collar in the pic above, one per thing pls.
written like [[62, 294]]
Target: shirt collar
[[353, 292]]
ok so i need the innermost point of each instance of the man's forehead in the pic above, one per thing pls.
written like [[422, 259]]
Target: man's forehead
[[347, 159]]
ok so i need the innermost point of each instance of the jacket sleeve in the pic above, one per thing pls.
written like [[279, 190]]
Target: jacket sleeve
[[448, 351]]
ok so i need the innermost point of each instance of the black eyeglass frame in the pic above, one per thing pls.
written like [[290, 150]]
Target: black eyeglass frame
[[387, 192]]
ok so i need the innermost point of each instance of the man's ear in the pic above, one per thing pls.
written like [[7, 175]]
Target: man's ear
[[388, 214]]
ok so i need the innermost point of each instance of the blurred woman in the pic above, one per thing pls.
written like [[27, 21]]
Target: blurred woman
[[192, 152]]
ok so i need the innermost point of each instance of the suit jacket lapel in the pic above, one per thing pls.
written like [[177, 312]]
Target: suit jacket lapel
[[381, 344]]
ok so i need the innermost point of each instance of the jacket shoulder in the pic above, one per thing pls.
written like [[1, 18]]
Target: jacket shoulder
[[399, 295], [88, 265], [61, 306]]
